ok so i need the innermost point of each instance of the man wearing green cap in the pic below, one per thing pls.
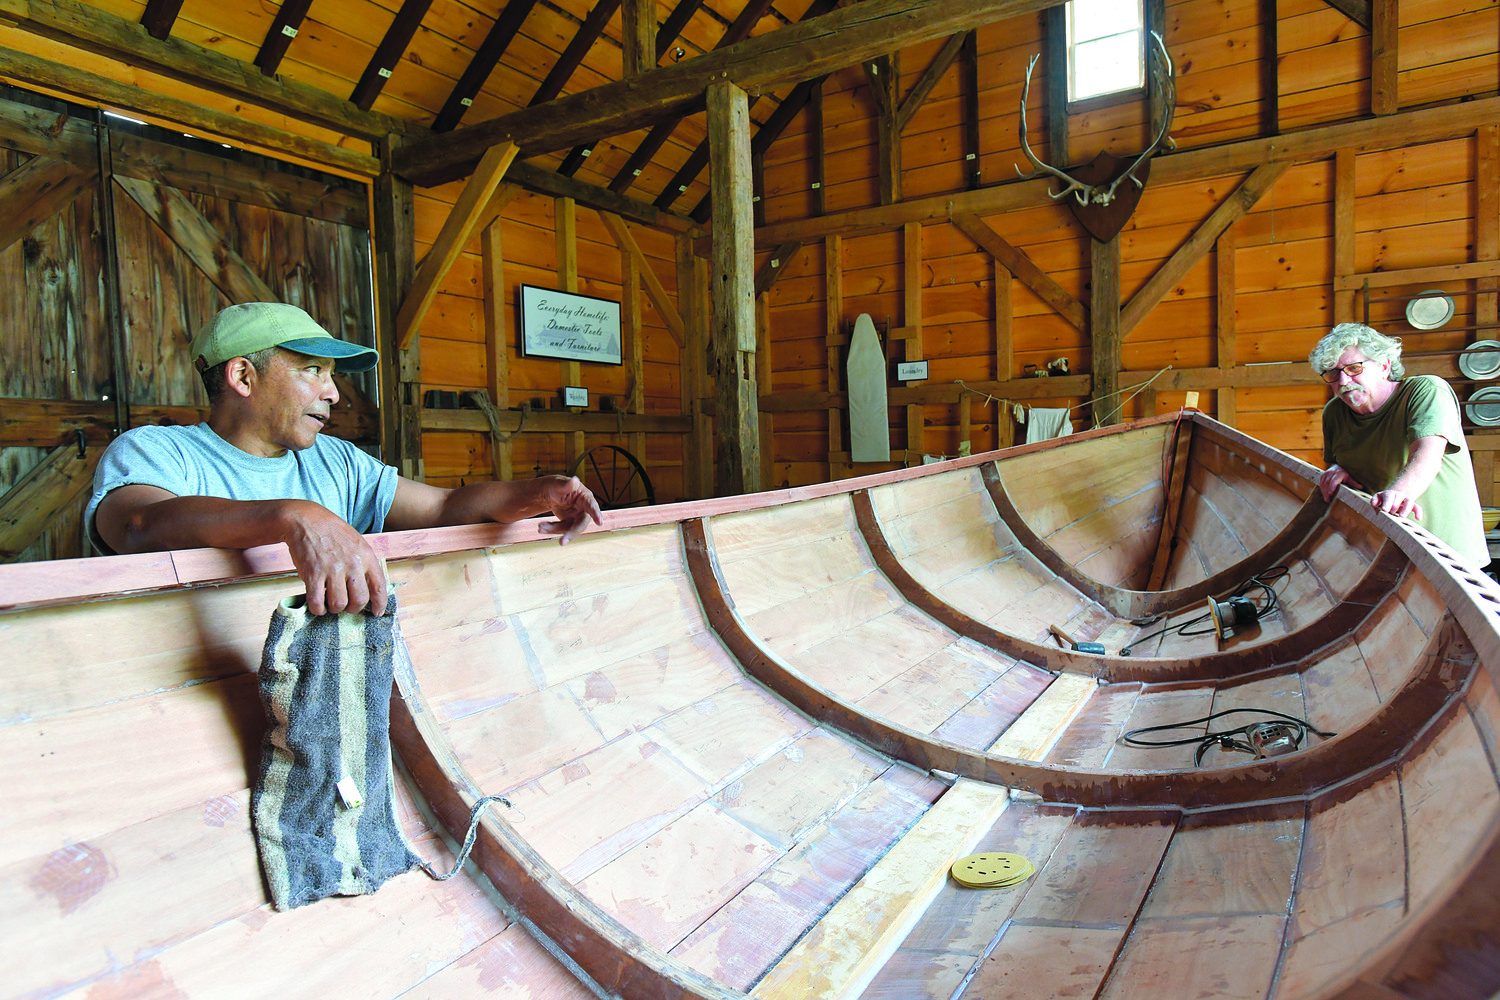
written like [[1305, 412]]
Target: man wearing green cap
[[258, 471]]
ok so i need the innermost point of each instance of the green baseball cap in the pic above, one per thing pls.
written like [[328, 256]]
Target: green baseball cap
[[254, 326]]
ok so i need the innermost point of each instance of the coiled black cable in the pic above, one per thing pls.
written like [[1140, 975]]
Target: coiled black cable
[[1228, 739]]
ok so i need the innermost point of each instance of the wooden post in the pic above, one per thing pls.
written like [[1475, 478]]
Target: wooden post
[[703, 356], [1225, 315], [400, 370], [737, 425], [1104, 323], [690, 362], [638, 36], [1487, 223], [970, 77], [1156, 20], [767, 427], [1005, 359], [113, 312], [496, 342], [912, 310], [819, 153], [1057, 86], [565, 222], [884, 74], [1343, 233], [833, 337], [630, 341], [1270, 78], [1384, 99]]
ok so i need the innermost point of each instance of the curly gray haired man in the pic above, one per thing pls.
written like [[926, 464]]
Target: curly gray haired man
[[1398, 438]]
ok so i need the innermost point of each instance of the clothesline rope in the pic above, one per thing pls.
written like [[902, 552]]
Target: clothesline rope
[[1138, 390]]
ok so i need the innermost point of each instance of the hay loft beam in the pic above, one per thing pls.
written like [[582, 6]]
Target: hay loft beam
[[779, 58]]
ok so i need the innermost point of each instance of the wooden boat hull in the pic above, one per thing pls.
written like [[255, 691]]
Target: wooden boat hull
[[741, 741]]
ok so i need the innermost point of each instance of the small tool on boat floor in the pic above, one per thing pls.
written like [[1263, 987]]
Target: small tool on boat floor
[[1074, 644], [1282, 734], [991, 870]]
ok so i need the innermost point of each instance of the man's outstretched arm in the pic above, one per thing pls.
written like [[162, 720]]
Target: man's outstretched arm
[[336, 563], [418, 505]]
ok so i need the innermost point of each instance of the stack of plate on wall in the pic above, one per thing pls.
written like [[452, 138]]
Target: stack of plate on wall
[[1480, 361]]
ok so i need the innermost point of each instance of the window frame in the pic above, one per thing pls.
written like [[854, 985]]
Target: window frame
[[1096, 102]]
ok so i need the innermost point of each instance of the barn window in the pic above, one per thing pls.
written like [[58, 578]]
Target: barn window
[[1106, 47]]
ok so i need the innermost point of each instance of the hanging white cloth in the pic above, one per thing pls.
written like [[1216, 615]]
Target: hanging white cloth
[[1045, 424]]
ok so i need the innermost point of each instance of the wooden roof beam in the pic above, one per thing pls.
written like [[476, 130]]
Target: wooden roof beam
[[588, 33], [738, 31], [764, 136], [392, 47], [505, 29], [91, 88], [159, 16], [540, 179], [289, 18], [670, 29], [1357, 11], [95, 30], [844, 37]]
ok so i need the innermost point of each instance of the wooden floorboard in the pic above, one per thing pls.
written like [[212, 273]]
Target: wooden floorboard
[[837, 957], [1076, 911], [748, 934], [1044, 722], [958, 927]]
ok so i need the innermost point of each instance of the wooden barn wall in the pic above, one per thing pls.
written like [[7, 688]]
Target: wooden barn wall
[[453, 340], [1415, 206], [304, 239]]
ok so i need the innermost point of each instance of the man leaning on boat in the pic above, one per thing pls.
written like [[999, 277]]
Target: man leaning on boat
[[258, 471], [1398, 438]]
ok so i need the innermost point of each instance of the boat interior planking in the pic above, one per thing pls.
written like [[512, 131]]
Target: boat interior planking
[[741, 742]]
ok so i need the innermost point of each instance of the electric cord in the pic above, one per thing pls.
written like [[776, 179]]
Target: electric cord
[[1239, 738], [1261, 581]]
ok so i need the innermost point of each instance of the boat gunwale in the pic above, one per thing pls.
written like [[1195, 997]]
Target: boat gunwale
[[89, 578]]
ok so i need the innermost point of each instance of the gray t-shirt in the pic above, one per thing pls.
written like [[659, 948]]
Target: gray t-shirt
[[195, 462]]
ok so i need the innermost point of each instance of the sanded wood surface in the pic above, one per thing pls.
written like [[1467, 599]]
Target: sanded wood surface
[[840, 954], [1041, 725]]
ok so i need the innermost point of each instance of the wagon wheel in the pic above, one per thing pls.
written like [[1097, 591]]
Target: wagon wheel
[[615, 476]]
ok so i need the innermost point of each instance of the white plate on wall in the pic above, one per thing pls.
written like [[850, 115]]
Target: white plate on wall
[[1429, 310], [1483, 408], [1480, 360]]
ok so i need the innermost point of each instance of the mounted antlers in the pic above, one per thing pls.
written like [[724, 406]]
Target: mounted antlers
[[1163, 74]]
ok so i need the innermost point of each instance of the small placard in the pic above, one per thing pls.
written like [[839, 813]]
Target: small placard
[[911, 371], [575, 395]]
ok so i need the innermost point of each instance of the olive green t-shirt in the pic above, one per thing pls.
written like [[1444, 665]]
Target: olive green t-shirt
[[1374, 448]]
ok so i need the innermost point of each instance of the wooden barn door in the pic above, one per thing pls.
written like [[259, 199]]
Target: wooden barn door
[[117, 242]]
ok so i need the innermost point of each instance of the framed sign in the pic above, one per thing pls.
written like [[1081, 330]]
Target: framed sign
[[569, 327]]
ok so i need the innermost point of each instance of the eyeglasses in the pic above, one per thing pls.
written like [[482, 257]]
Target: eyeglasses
[[1332, 375]]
